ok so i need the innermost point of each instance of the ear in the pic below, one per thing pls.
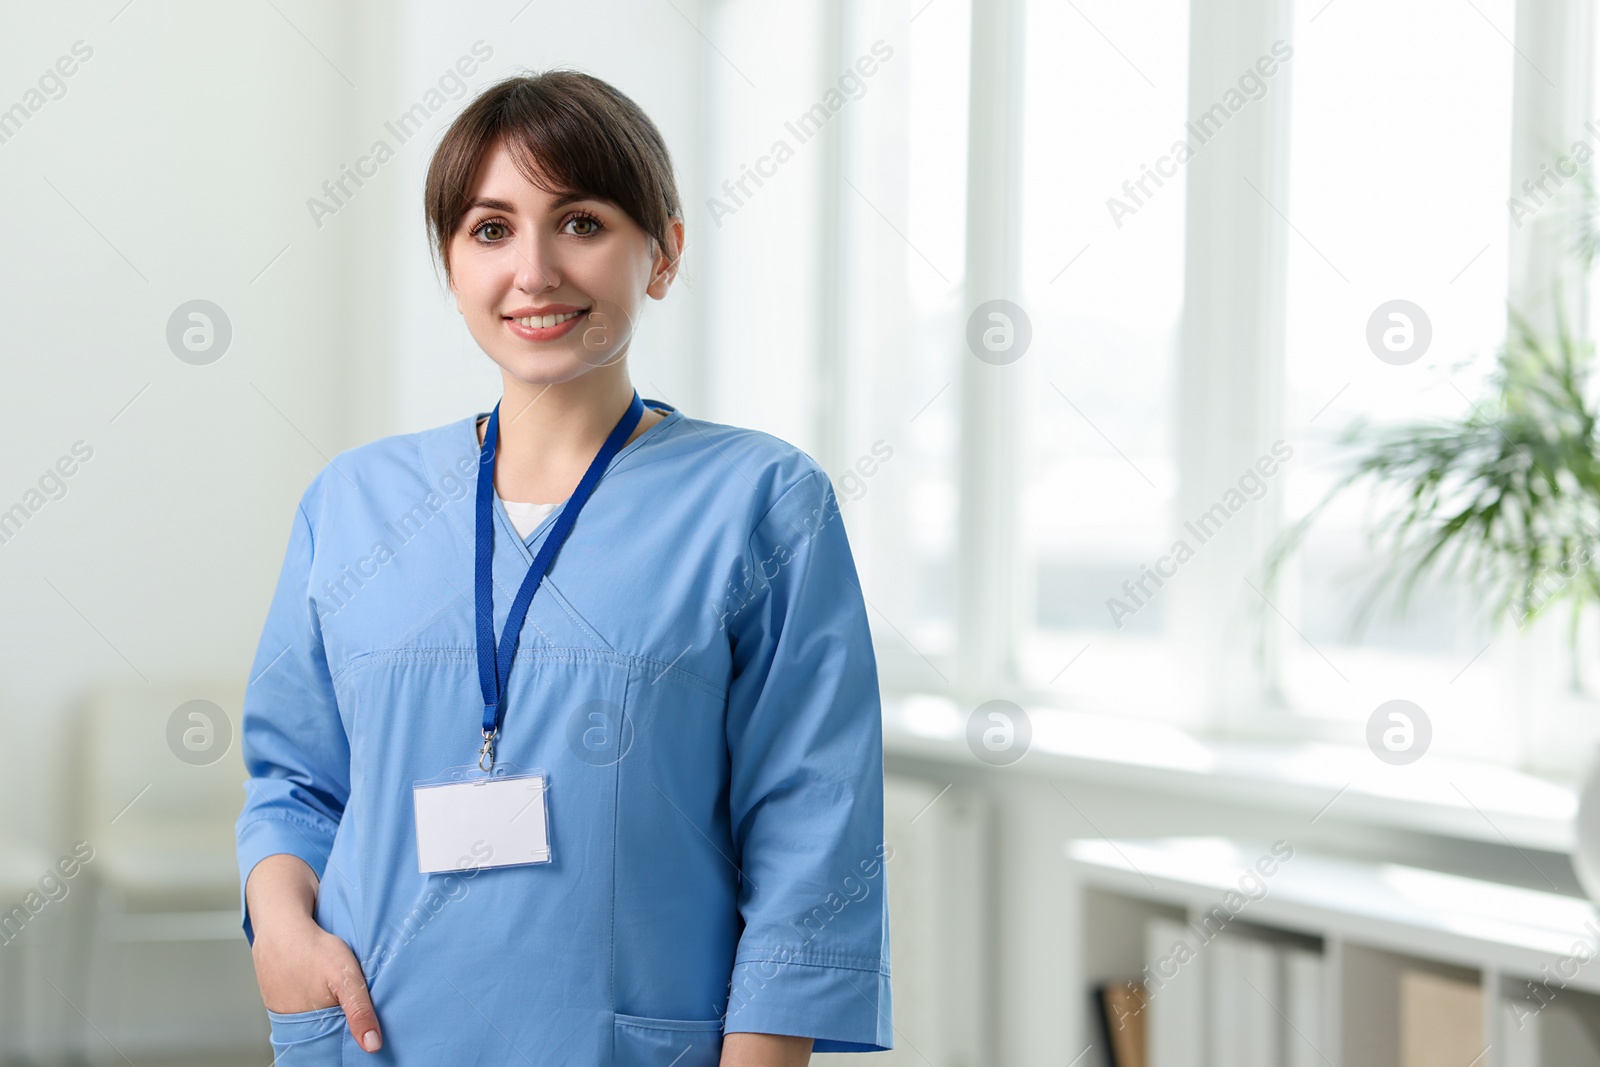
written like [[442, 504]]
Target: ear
[[665, 268]]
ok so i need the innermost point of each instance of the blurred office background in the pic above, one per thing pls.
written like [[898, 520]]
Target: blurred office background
[[1032, 341]]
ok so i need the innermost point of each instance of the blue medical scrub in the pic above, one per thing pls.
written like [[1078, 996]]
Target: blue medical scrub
[[695, 677]]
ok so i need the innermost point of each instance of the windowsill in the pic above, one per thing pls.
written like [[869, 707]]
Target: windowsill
[[1453, 797]]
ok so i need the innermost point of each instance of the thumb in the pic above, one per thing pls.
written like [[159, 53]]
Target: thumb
[[351, 989]]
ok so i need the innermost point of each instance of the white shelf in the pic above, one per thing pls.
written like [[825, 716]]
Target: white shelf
[[1372, 919], [1384, 905]]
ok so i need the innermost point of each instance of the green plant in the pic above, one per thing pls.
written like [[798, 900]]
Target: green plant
[[1505, 499]]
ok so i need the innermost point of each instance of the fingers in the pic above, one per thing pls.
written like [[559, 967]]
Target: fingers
[[359, 1015]]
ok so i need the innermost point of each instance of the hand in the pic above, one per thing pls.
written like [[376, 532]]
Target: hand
[[299, 965], [306, 968]]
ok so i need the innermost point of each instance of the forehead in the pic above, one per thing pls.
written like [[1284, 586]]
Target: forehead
[[501, 185]]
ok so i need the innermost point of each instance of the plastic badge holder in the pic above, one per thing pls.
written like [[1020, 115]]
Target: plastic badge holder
[[467, 818]]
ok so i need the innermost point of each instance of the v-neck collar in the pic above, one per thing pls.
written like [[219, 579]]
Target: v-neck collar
[[507, 528]]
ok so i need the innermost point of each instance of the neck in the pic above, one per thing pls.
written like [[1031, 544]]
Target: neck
[[550, 433], [565, 422]]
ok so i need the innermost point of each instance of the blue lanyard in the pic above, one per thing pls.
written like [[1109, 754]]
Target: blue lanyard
[[493, 670]]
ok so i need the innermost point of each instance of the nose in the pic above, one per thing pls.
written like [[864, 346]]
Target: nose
[[535, 265]]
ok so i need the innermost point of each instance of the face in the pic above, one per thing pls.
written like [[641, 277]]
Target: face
[[551, 284]]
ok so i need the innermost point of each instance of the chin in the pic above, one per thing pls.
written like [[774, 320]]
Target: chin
[[544, 370]]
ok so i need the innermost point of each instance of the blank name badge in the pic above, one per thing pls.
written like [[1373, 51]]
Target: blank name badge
[[481, 820]]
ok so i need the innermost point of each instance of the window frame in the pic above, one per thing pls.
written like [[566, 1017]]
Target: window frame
[[1231, 361]]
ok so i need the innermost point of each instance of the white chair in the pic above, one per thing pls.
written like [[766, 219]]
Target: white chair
[[168, 969], [33, 1023]]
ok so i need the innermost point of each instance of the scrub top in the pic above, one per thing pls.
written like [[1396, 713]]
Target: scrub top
[[696, 679]]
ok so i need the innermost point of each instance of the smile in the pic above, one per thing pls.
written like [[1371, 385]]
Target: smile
[[546, 327], [537, 321]]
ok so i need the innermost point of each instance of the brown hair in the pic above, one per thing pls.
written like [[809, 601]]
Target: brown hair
[[566, 132]]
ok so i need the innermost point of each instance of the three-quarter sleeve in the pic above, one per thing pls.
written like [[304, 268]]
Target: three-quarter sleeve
[[805, 743], [295, 747]]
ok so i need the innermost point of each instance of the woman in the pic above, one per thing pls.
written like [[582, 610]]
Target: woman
[[601, 788]]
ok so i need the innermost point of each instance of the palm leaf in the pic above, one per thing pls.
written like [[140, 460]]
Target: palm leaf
[[1505, 499]]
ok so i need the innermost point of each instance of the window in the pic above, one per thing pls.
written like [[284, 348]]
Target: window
[[837, 244], [1399, 158], [1388, 138], [1102, 274], [761, 221], [902, 209]]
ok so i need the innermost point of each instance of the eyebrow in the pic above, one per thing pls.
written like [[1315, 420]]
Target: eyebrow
[[558, 203]]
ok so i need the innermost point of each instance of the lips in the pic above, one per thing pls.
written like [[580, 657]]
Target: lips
[[546, 327]]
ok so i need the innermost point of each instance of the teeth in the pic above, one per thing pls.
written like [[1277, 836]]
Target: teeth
[[537, 321]]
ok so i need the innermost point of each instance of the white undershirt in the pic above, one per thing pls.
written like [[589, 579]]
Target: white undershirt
[[526, 516]]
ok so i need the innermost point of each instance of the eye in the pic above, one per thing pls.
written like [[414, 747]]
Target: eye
[[592, 224], [488, 224]]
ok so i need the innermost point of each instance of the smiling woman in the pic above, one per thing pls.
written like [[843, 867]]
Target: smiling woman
[[567, 190], [653, 800]]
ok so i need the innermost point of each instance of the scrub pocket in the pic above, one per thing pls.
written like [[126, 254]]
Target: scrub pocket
[[642, 1042], [308, 1038]]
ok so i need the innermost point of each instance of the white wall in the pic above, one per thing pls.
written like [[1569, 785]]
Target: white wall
[[188, 140]]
